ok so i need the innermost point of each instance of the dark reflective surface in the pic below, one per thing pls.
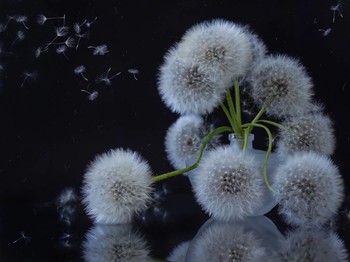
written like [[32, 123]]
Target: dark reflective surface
[[50, 129]]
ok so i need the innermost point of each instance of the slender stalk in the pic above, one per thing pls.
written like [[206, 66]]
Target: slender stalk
[[207, 139], [238, 103], [270, 123], [269, 150], [231, 119]]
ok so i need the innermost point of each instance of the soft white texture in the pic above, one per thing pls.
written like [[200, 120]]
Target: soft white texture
[[313, 245], [117, 184], [311, 132], [184, 138], [309, 189], [226, 242], [186, 88], [282, 85], [114, 243], [219, 47], [228, 184]]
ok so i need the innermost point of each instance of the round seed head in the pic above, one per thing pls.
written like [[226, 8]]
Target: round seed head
[[184, 139], [309, 189], [117, 184], [311, 132], [228, 184], [282, 85]]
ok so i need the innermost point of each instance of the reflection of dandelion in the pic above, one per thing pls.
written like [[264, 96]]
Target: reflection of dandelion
[[99, 50], [313, 245], [114, 243]]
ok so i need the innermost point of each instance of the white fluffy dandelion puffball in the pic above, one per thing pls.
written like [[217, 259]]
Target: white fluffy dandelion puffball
[[309, 189], [281, 84], [313, 245], [219, 47], [117, 184], [228, 184], [110, 243], [311, 132], [184, 138], [186, 88]]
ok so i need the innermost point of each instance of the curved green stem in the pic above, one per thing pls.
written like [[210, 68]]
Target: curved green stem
[[238, 103], [269, 150], [207, 139], [233, 123], [270, 123]]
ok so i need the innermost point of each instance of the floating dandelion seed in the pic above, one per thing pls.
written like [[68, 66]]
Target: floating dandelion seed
[[20, 36], [23, 236], [41, 19], [134, 72], [337, 9], [91, 96], [104, 77], [77, 26], [62, 50], [40, 50], [67, 195], [99, 50], [4, 26], [325, 32], [80, 70], [88, 24], [83, 35], [69, 42], [60, 32], [27, 76], [22, 19]]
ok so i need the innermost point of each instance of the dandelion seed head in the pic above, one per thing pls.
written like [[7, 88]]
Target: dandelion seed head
[[115, 243], [311, 132], [309, 189], [228, 185], [117, 184], [282, 85], [186, 89], [184, 139], [219, 47], [313, 245]]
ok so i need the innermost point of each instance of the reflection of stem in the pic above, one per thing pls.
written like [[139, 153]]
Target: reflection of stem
[[207, 139]]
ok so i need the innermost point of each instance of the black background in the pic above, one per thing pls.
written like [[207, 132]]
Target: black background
[[50, 131]]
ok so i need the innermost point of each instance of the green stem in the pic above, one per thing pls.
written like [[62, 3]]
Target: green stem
[[207, 139], [270, 123], [269, 150], [256, 119], [238, 103], [232, 119]]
